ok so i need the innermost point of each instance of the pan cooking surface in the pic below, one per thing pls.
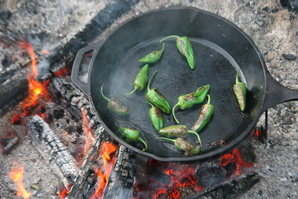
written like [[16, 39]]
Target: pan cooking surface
[[214, 66]]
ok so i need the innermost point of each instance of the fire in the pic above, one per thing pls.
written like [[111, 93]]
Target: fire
[[36, 88], [180, 175], [106, 151], [89, 139], [63, 192], [234, 158], [16, 174]]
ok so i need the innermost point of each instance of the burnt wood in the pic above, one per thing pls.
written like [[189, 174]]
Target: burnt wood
[[53, 150], [229, 189], [11, 93], [122, 178]]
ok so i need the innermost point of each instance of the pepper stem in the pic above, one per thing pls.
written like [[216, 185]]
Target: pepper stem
[[148, 86], [173, 111], [131, 91], [171, 36], [193, 132], [237, 77], [148, 103], [209, 99], [162, 138], [143, 141], [163, 47], [101, 91]]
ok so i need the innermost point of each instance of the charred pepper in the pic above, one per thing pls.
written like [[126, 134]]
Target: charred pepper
[[153, 56], [133, 134], [190, 99], [184, 145], [185, 48], [240, 92], [116, 105], [204, 116], [177, 131], [156, 117], [156, 98], [140, 80]]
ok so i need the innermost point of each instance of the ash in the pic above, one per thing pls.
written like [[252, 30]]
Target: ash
[[272, 27]]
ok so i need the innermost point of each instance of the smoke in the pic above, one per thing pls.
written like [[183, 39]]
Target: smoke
[[43, 70]]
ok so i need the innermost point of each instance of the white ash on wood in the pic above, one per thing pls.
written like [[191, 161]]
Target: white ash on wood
[[52, 150]]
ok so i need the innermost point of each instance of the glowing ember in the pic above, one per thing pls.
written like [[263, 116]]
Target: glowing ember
[[89, 139], [16, 119], [107, 152], [45, 52], [234, 158], [16, 174], [36, 88], [63, 192], [180, 176], [63, 72]]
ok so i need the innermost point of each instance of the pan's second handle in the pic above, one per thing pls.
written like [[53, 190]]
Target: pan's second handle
[[277, 93], [84, 86]]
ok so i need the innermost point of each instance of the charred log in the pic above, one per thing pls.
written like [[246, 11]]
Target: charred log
[[122, 178], [229, 189], [73, 100], [53, 150], [11, 93], [7, 143]]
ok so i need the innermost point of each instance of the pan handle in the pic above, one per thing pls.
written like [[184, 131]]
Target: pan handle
[[84, 86], [277, 93]]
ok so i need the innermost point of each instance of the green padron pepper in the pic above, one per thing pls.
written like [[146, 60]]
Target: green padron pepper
[[133, 135], [156, 98], [240, 90], [156, 117], [140, 80], [188, 100], [204, 116], [185, 48], [153, 56], [177, 131], [116, 105], [184, 145]]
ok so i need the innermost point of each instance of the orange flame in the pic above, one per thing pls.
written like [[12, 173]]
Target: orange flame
[[16, 174], [234, 158], [106, 151], [89, 139], [36, 88], [63, 192]]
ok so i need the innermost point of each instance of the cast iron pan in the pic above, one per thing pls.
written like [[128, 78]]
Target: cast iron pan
[[220, 49]]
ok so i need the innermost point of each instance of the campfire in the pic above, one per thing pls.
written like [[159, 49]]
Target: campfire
[[171, 180], [46, 111]]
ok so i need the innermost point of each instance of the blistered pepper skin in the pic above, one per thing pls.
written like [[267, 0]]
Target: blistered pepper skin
[[177, 131], [240, 91], [116, 105], [153, 56], [140, 80], [185, 48], [133, 134], [204, 117], [156, 98], [184, 145], [174, 131], [188, 100]]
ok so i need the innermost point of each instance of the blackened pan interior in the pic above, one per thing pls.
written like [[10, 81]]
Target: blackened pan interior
[[220, 50]]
